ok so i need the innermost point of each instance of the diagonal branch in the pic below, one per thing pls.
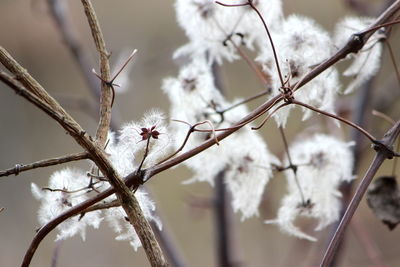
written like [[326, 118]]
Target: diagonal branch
[[44, 163], [380, 157]]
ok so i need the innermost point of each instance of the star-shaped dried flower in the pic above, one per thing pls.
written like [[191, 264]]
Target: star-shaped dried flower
[[149, 132]]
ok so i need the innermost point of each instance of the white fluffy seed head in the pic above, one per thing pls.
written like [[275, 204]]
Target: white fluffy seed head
[[301, 44], [54, 203], [116, 218], [323, 163], [132, 139], [216, 30], [243, 156]]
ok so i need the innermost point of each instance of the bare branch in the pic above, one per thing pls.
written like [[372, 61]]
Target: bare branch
[[383, 116], [124, 195], [106, 90], [380, 157], [44, 163], [359, 128]]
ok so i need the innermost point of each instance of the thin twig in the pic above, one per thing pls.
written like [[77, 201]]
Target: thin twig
[[380, 157], [383, 116], [250, 3], [259, 74], [244, 101], [359, 128], [44, 163], [106, 90], [291, 165], [270, 115], [146, 152]]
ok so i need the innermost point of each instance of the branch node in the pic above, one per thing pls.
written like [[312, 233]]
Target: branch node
[[17, 169], [380, 146]]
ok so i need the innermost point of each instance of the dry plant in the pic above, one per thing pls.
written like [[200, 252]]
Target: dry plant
[[295, 61]]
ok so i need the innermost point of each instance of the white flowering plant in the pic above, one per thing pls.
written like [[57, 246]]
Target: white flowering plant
[[217, 138]]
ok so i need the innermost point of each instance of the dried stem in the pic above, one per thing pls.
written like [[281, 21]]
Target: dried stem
[[244, 101], [380, 157], [383, 116], [45, 102], [106, 90], [44, 163], [189, 132], [134, 179], [359, 128], [250, 3], [291, 165], [269, 116], [146, 152], [359, 117]]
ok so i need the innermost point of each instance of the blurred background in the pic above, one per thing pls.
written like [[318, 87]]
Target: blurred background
[[28, 32]]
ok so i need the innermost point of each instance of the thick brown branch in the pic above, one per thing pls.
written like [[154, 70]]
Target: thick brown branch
[[44, 163]]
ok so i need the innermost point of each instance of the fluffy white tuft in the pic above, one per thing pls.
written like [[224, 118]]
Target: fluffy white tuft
[[131, 141], [301, 44], [54, 203], [116, 218], [243, 156], [323, 162], [209, 25]]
